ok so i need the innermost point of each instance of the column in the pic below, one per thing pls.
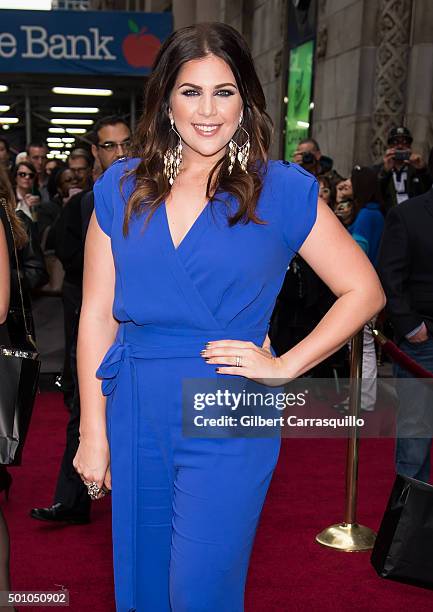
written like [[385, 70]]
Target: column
[[419, 105], [208, 10], [184, 13], [392, 63]]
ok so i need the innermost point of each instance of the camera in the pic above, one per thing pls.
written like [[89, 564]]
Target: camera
[[343, 210], [308, 158], [345, 204], [402, 155]]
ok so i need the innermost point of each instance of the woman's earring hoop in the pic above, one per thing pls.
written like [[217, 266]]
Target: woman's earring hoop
[[173, 157], [239, 152]]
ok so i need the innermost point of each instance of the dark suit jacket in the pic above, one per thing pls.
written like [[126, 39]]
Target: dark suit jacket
[[302, 302], [418, 182], [87, 206], [31, 257], [69, 241], [405, 264]]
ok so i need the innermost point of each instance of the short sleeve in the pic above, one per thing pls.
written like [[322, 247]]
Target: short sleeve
[[298, 192], [104, 202], [111, 193]]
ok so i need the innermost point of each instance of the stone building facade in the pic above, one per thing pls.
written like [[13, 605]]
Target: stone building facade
[[373, 66]]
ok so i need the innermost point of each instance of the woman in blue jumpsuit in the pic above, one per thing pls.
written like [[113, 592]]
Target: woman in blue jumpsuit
[[185, 509], [211, 489]]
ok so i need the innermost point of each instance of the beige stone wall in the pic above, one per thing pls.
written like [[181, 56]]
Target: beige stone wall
[[267, 42], [347, 113], [344, 75], [349, 81], [419, 108]]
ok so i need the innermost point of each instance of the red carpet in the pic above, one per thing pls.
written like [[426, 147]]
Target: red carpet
[[289, 572]]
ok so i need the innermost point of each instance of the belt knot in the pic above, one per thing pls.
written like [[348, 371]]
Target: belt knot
[[111, 365]]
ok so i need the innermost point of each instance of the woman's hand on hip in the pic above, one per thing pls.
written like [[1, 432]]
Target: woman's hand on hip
[[92, 461], [240, 358]]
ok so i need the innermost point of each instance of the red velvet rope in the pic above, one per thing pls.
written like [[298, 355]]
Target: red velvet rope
[[400, 357]]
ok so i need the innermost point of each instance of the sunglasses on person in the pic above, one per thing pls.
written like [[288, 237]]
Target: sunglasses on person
[[29, 175], [402, 141], [110, 146]]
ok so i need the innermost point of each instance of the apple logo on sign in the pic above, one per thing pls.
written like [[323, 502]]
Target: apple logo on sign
[[138, 48]]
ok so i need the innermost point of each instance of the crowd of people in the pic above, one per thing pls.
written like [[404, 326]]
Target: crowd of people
[[52, 206], [54, 203], [388, 209], [49, 204]]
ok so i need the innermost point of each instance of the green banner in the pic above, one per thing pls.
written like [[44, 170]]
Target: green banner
[[299, 97]]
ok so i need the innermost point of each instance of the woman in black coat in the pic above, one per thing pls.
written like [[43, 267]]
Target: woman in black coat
[[8, 296]]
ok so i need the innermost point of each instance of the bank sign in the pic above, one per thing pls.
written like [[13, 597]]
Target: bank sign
[[81, 42]]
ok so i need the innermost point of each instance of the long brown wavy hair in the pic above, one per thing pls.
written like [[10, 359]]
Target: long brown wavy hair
[[6, 193], [153, 135]]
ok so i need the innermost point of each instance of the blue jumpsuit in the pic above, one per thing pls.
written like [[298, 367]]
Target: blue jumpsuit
[[185, 510]]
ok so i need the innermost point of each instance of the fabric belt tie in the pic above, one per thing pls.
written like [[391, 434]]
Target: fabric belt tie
[[119, 376]]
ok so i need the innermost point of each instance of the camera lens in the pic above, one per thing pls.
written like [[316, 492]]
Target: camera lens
[[307, 158]]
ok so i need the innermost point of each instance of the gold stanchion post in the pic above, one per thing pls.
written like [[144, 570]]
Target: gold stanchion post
[[349, 536]]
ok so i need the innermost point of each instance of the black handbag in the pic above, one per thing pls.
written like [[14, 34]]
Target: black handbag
[[19, 375], [404, 545]]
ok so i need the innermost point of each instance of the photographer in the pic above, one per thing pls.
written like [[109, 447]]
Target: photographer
[[403, 174], [309, 156]]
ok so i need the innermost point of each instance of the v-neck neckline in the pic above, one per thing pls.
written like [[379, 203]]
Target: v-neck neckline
[[191, 229]]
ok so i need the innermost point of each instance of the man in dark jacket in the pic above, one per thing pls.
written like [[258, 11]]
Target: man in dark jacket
[[70, 252], [71, 499], [403, 174], [406, 271]]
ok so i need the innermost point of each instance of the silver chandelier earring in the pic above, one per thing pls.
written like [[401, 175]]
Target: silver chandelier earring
[[173, 157], [239, 152]]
